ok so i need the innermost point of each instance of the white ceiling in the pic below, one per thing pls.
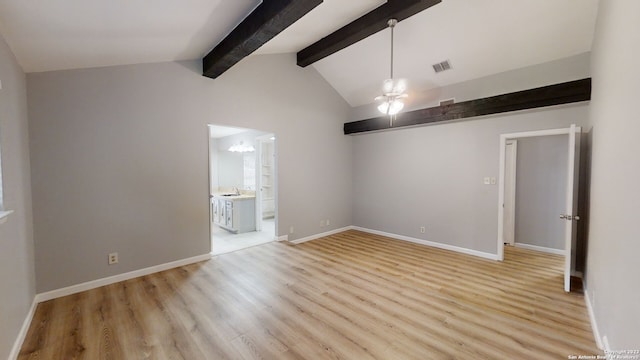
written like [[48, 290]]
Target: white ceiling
[[326, 18], [480, 38], [69, 34]]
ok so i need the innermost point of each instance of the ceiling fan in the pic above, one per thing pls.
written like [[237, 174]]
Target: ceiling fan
[[393, 91]]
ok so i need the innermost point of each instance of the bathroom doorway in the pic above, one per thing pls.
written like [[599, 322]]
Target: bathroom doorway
[[242, 188]]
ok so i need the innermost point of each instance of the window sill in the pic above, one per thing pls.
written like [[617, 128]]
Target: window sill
[[3, 216]]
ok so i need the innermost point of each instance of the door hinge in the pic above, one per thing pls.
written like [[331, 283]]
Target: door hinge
[[569, 217]]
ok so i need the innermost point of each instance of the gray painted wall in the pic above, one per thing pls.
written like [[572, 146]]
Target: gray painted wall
[[119, 159], [214, 183], [541, 190], [613, 274], [17, 271], [432, 176]]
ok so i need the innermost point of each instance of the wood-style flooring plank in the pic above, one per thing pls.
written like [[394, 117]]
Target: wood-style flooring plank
[[351, 295]]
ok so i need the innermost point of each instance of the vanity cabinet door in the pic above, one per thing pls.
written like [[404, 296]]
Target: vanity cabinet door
[[221, 213], [214, 210], [229, 214]]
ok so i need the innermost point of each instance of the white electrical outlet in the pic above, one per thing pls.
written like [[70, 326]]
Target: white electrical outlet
[[113, 258], [422, 229], [291, 230], [328, 222]]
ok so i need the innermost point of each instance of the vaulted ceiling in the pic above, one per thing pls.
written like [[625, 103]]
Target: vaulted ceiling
[[479, 38]]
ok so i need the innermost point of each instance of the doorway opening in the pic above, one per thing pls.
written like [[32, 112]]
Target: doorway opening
[[538, 194], [242, 188]]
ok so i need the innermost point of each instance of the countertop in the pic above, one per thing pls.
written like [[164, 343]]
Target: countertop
[[233, 197]]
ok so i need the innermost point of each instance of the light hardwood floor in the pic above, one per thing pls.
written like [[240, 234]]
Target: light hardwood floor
[[347, 296]]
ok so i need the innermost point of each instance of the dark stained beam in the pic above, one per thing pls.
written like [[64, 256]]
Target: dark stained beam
[[262, 25], [367, 25], [563, 93]]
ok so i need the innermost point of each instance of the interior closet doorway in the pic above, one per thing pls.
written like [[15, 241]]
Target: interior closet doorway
[[242, 189], [562, 180]]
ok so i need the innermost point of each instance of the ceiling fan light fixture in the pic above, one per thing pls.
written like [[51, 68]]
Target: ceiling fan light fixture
[[393, 89], [241, 148], [391, 106]]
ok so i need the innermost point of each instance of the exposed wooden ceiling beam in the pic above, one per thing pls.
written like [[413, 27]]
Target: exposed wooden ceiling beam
[[263, 24], [557, 94], [367, 25]]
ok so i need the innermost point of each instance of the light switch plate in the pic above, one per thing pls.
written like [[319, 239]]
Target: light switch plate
[[487, 180], [493, 181]]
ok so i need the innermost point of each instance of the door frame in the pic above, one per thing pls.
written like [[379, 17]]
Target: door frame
[[510, 184], [571, 197], [210, 174], [209, 185]]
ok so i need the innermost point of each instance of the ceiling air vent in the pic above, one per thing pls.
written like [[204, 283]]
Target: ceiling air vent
[[440, 67]]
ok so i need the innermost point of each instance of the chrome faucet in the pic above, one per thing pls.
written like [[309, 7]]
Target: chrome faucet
[[237, 190]]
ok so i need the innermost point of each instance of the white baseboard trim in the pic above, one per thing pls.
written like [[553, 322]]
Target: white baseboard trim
[[321, 235], [540, 248], [73, 289], [17, 345], [594, 324], [430, 243], [282, 238]]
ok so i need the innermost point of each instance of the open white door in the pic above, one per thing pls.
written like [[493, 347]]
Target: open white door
[[570, 215]]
